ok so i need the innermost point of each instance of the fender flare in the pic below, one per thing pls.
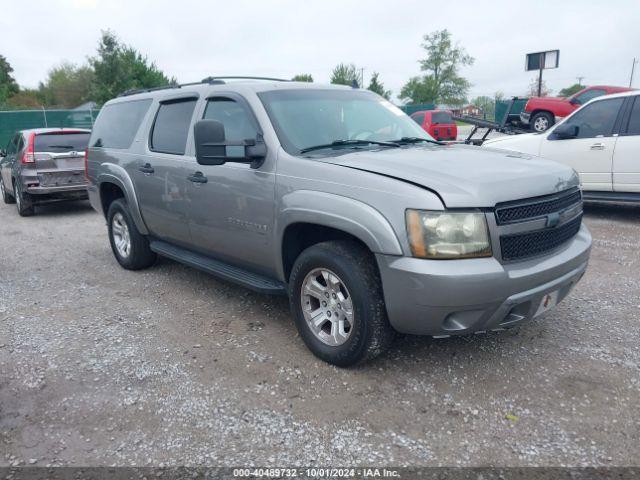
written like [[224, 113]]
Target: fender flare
[[335, 211], [117, 175]]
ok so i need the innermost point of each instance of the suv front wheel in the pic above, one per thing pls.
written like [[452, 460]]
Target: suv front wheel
[[129, 246], [337, 302]]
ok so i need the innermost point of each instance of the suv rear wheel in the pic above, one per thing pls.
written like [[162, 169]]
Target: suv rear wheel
[[5, 195], [129, 246], [24, 204], [337, 302]]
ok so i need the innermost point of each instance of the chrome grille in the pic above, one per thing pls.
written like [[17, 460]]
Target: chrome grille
[[535, 208]]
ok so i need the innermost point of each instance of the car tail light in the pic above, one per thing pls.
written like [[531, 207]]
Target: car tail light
[[29, 155], [86, 164]]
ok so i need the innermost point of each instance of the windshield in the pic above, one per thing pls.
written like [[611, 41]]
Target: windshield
[[441, 117], [308, 117], [61, 142]]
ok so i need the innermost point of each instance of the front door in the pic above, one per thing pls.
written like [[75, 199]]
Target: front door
[[161, 174], [232, 214], [591, 152], [626, 159]]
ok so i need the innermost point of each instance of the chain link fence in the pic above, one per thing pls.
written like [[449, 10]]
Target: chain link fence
[[13, 120]]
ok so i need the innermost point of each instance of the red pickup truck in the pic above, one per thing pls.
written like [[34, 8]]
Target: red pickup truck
[[540, 113]]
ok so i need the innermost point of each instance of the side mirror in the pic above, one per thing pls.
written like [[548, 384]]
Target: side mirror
[[564, 132], [212, 147], [3, 153]]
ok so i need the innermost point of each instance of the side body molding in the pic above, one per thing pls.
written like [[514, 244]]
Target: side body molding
[[111, 173], [339, 212]]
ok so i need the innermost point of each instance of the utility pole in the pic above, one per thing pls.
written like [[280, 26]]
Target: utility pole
[[633, 67], [579, 78], [362, 77], [540, 74]]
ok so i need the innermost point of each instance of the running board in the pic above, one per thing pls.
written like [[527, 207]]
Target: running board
[[610, 196], [220, 269]]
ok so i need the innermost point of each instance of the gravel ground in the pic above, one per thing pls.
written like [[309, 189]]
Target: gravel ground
[[169, 366]]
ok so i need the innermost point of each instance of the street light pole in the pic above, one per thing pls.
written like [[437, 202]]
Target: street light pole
[[633, 67]]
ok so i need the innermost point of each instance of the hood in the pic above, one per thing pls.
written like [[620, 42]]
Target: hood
[[464, 175]]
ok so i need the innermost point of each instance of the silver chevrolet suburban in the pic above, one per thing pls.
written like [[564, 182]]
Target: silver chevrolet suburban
[[333, 196]]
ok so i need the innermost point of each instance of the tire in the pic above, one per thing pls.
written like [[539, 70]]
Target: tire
[[369, 332], [24, 204], [541, 122], [5, 195], [129, 246]]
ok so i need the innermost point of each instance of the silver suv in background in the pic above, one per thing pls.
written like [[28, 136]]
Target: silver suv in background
[[43, 165], [333, 196]]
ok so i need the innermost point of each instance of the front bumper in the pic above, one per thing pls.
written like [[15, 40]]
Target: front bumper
[[452, 297], [525, 117]]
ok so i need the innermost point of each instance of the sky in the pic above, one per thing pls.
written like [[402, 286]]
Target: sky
[[192, 39]]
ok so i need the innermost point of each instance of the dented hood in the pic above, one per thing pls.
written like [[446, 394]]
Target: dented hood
[[463, 175]]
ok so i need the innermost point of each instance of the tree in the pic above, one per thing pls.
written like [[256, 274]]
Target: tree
[[486, 104], [25, 99], [532, 91], [567, 92], [441, 82], [420, 90], [119, 67], [375, 85], [303, 77], [67, 85], [8, 85], [345, 74]]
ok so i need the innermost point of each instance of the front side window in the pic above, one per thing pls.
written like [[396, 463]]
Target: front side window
[[418, 118], [237, 120], [596, 119], [171, 128], [308, 117], [633, 128]]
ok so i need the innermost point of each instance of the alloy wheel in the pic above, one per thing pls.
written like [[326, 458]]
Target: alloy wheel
[[327, 307], [121, 237]]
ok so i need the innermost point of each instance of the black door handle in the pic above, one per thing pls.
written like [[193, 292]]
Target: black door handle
[[197, 177], [146, 168]]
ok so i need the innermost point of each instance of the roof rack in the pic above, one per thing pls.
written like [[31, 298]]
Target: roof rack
[[208, 80]]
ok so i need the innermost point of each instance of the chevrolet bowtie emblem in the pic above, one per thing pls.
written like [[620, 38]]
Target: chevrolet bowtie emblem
[[553, 219]]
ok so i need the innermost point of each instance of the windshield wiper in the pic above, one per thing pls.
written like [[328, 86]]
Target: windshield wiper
[[348, 143], [407, 140]]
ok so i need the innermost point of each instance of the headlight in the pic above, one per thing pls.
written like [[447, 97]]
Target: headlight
[[447, 235]]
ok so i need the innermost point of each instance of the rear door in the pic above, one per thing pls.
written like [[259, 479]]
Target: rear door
[[232, 214], [591, 152], [161, 174], [626, 159], [59, 158]]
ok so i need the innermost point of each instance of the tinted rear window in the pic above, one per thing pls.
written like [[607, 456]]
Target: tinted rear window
[[61, 142], [171, 127], [441, 117], [117, 124]]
